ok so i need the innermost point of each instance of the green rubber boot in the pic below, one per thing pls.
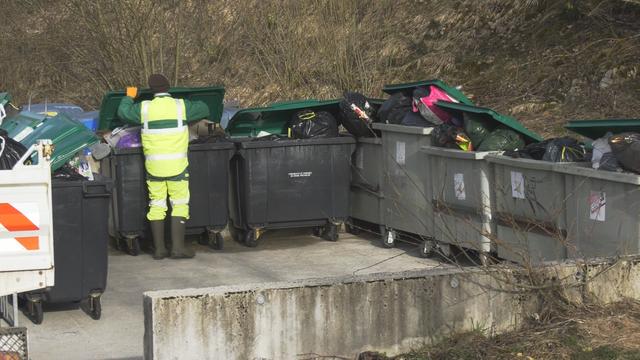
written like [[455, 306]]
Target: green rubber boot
[[178, 248], [157, 231]]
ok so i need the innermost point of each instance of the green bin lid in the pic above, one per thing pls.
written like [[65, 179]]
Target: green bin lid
[[212, 96], [274, 118], [68, 136], [594, 129], [5, 98], [21, 124], [507, 121], [407, 88]]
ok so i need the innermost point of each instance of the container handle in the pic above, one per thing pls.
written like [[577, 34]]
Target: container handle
[[106, 186], [368, 188]]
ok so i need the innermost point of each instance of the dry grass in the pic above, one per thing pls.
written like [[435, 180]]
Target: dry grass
[[591, 332], [541, 60]]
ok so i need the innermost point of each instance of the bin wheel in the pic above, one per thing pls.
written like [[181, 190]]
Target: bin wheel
[[428, 248], [330, 232], [132, 245], [351, 229], [389, 238], [203, 239], [250, 238], [35, 312], [93, 306], [317, 231], [216, 241]]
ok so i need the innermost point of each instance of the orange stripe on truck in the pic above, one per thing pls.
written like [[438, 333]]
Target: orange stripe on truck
[[14, 220]]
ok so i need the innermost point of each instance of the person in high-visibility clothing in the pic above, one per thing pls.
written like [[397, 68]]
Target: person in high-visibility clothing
[[165, 142]]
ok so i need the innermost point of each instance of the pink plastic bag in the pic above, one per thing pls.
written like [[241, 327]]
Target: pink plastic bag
[[428, 109]]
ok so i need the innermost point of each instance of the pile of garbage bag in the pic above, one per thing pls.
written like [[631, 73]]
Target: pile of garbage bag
[[10, 151]]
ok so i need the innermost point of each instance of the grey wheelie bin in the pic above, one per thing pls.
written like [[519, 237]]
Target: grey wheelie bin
[[406, 204], [603, 208], [208, 177], [529, 209], [461, 189], [279, 182]]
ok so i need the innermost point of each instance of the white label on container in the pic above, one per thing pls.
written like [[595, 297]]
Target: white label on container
[[597, 205], [300, 174], [517, 185], [400, 152], [360, 159], [23, 134], [458, 183]]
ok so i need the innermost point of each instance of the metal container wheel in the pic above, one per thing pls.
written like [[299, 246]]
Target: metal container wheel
[[330, 232], [250, 237], [129, 244], [34, 311], [92, 305], [389, 238], [212, 238]]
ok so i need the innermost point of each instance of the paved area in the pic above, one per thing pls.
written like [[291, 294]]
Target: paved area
[[282, 255]]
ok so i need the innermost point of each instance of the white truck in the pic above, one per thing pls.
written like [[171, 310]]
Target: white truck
[[26, 237]]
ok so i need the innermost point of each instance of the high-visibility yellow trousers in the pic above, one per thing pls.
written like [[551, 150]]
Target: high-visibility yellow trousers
[[178, 192]]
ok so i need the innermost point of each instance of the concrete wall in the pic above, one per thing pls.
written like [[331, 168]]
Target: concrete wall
[[389, 312]]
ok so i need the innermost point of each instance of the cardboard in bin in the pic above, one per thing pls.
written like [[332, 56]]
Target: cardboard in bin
[[274, 118], [212, 96], [408, 88], [511, 123], [595, 129]]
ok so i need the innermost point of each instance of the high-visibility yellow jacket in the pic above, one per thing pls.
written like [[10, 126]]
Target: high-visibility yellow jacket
[[165, 135]]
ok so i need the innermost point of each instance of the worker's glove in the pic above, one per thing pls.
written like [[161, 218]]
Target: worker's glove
[[132, 91]]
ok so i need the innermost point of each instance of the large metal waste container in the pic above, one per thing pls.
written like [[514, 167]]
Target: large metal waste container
[[406, 207], [461, 199], [366, 186], [208, 177], [208, 188], [461, 184], [279, 182], [529, 209], [602, 207], [81, 238], [406, 204]]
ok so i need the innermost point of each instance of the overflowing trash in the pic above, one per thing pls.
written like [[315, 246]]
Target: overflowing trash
[[564, 149], [626, 149], [10, 151], [357, 114], [307, 124]]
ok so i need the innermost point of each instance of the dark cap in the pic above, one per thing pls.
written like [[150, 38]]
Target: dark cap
[[158, 83]]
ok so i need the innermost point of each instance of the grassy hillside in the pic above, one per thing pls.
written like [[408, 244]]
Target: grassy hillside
[[541, 61]]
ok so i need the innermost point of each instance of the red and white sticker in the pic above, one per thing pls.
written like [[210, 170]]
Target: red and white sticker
[[19, 217], [597, 205]]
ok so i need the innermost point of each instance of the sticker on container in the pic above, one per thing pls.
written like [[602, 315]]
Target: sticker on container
[[597, 205], [400, 153], [458, 183], [517, 185], [360, 159]]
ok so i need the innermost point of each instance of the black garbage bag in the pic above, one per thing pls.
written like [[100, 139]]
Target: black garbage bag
[[501, 139], [415, 119], [307, 124], [357, 114], [564, 149], [476, 127], [626, 148], [449, 136], [608, 162], [393, 110], [10, 151]]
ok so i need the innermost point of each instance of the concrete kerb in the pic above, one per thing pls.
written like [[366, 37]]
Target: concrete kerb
[[342, 316]]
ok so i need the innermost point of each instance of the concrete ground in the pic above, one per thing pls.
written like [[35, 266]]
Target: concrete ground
[[281, 255]]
